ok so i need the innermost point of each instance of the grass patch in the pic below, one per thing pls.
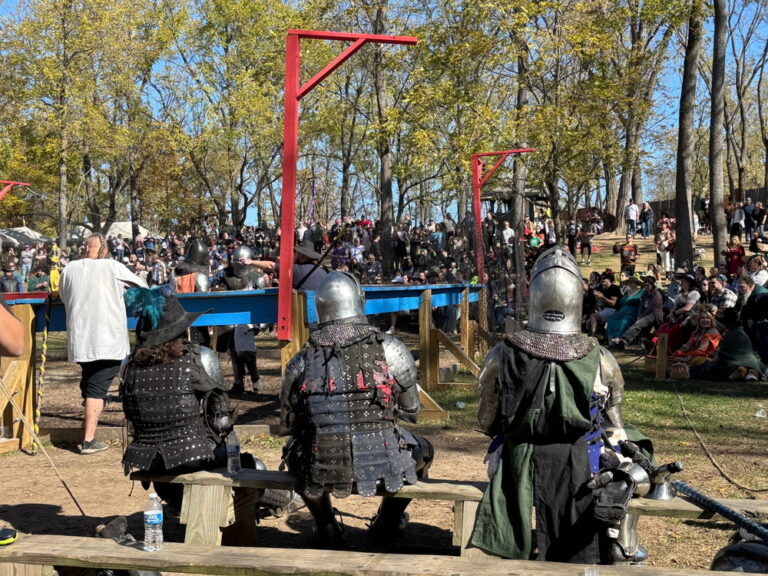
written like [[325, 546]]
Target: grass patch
[[264, 442]]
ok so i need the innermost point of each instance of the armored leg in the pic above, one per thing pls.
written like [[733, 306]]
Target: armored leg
[[626, 549], [391, 518], [328, 529]]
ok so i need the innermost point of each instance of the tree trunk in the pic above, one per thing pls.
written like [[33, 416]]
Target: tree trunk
[[133, 191], [63, 145], [612, 197], [716, 138], [383, 145], [94, 216], [685, 137]]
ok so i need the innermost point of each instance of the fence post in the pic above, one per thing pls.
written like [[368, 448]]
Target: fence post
[[299, 328], [428, 350]]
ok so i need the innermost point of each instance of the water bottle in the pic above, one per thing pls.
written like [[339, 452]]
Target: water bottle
[[233, 454], [153, 524]]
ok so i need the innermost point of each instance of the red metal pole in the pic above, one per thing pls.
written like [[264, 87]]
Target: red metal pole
[[293, 93], [9, 186], [477, 173], [477, 183], [287, 205]]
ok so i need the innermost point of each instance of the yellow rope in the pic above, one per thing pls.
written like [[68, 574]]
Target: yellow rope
[[41, 377]]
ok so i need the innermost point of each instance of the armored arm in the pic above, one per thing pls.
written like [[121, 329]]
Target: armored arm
[[201, 283], [209, 376], [490, 393], [291, 377], [611, 377], [403, 369]]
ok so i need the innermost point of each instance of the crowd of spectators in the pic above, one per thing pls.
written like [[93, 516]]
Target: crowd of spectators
[[707, 316], [626, 308]]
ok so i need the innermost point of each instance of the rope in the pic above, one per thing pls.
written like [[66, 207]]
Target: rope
[[709, 454], [41, 375], [40, 444]]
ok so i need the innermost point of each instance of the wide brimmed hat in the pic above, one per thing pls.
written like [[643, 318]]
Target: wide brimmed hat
[[307, 249], [690, 277], [161, 318], [636, 279]]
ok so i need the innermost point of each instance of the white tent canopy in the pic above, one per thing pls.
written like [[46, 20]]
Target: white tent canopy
[[124, 228], [80, 233], [25, 235], [7, 241]]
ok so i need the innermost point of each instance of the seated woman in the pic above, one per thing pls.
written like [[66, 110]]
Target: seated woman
[[650, 313], [626, 314], [683, 305], [702, 342], [734, 358]]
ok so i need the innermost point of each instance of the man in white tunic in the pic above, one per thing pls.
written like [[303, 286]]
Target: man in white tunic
[[97, 332]]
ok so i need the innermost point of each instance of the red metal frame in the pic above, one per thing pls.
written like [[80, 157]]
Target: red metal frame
[[8, 186], [478, 179], [295, 91]]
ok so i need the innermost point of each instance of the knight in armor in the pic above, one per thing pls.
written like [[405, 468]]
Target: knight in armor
[[550, 396], [239, 341], [174, 397], [191, 275], [341, 398]]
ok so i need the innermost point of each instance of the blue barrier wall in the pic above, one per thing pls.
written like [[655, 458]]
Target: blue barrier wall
[[260, 306]]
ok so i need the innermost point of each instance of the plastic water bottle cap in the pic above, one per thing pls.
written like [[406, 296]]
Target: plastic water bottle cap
[[761, 413]]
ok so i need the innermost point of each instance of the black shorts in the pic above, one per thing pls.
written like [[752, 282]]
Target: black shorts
[[97, 377]]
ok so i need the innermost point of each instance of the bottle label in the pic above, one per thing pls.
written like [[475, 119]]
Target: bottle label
[[233, 450], [153, 517]]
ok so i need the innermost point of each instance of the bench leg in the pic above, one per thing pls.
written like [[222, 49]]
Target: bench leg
[[463, 524], [242, 531], [9, 569], [204, 511]]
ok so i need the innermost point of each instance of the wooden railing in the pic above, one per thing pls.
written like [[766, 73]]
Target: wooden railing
[[18, 382]]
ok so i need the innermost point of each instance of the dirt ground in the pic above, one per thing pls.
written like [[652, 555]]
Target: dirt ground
[[35, 500]]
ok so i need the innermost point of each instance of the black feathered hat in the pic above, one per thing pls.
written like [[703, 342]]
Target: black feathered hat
[[161, 318]]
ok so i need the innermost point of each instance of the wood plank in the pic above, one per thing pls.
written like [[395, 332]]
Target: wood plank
[[423, 490], [482, 316], [680, 507], [430, 410], [9, 445], [464, 327], [439, 489], [468, 514], [24, 570], [465, 360], [207, 513], [428, 351], [50, 550], [661, 356]]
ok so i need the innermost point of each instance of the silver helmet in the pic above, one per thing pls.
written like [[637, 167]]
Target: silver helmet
[[556, 293], [339, 296], [242, 251]]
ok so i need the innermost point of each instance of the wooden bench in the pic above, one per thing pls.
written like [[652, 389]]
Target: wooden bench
[[35, 555], [208, 505]]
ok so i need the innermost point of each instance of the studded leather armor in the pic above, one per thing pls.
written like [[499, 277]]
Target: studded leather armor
[[343, 405], [162, 401]]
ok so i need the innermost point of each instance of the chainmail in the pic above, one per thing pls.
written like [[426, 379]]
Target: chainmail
[[559, 347], [335, 334]]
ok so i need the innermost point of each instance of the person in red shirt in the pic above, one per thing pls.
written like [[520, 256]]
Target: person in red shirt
[[734, 255]]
